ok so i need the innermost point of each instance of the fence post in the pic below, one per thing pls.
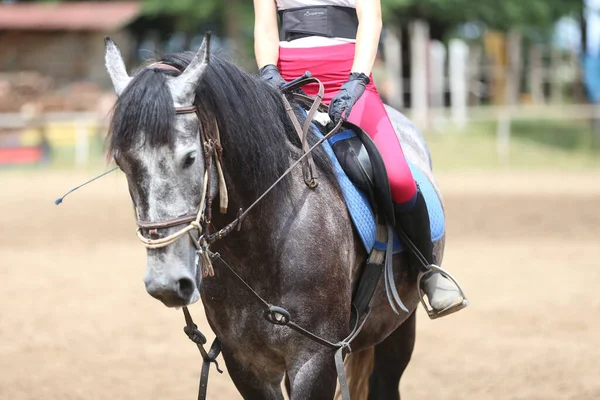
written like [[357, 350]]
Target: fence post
[[536, 81], [475, 88], [459, 54], [511, 94], [419, 37], [392, 47], [555, 76], [437, 81]]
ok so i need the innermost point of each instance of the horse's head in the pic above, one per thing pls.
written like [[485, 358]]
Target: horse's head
[[161, 154]]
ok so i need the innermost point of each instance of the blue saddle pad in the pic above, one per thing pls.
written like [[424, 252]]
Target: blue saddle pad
[[360, 209]]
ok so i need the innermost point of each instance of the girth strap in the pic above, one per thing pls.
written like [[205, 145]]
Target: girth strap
[[213, 353]]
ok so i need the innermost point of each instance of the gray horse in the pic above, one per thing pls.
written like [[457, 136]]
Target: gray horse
[[297, 248]]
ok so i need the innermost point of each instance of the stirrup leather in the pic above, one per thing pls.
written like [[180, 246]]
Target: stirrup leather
[[432, 313]]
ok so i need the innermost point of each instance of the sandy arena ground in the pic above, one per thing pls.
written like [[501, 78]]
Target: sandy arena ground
[[76, 322]]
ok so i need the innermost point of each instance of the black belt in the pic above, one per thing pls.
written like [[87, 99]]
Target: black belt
[[327, 21]]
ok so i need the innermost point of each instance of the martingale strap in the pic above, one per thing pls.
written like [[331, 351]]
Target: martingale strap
[[280, 316], [191, 330]]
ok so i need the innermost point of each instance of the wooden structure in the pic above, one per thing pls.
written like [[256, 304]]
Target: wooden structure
[[63, 41]]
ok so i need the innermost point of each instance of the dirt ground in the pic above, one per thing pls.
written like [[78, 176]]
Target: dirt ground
[[76, 322]]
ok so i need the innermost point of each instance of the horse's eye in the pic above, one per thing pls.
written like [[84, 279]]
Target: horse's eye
[[189, 160]]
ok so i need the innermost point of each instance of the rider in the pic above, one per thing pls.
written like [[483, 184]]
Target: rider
[[336, 40]]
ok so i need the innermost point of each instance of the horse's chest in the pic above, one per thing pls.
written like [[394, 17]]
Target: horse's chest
[[263, 360], [249, 338], [253, 344]]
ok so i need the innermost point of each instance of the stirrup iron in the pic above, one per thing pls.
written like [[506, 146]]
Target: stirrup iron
[[431, 312]]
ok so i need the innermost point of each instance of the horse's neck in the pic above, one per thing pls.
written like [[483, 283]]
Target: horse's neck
[[251, 254], [256, 242]]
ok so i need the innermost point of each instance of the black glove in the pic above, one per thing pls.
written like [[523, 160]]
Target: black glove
[[270, 74], [341, 105]]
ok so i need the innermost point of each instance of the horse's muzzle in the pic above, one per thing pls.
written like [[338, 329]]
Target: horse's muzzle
[[173, 293]]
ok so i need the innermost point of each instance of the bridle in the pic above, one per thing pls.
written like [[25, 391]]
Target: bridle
[[212, 150]]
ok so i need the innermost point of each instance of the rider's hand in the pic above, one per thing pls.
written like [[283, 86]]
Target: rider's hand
[[341, 105], [270, 74]]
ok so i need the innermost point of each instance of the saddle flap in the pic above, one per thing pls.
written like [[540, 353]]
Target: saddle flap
[[362, 162], [354, 159]]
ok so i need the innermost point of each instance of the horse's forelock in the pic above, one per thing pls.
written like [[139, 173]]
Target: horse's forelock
[[144, 108]]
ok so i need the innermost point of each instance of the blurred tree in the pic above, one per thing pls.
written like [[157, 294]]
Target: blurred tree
[[232, 19], [236, 15], [443, 15]]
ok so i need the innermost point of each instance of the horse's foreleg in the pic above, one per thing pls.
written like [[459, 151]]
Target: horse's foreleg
[[313, 376], [249, 383], [391, 359]]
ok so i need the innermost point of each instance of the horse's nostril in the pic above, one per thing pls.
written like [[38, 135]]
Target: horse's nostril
[[186, 287]]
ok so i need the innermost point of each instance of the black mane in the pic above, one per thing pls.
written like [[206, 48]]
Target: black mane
[[145, 106], [254, 127]]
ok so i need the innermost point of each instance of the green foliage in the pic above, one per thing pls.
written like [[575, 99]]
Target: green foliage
[[235, 18], [191, 9], [501, 15], [496, 14]]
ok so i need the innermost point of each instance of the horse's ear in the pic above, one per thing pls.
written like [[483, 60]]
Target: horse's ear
[[184, 86], [115, 66]]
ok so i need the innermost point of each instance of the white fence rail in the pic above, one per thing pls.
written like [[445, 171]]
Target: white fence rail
[[439, 119]]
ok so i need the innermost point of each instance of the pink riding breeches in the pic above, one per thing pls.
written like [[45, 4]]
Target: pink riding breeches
[[332, 65]]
